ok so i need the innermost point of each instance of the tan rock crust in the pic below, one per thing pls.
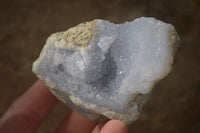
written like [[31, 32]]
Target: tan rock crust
[[79, 35]]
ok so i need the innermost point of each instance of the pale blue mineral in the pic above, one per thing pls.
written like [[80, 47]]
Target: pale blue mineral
[[105, 70]]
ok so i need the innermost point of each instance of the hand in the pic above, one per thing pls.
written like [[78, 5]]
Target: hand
[[28, 112]]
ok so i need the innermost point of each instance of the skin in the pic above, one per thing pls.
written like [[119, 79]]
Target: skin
[[28, 111]]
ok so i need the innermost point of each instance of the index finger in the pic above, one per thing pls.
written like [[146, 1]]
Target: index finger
[[28, 111]]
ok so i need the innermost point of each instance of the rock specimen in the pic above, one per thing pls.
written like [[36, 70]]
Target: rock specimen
[[105, 70]]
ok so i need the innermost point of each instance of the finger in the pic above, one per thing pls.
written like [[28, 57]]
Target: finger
[[98, 127], [114, 126], [26, 114], [75, 123]]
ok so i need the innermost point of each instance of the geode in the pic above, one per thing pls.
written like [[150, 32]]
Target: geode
[[104, 70]]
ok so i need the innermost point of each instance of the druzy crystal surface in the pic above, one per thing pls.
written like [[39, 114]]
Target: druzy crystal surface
[[104, 70]]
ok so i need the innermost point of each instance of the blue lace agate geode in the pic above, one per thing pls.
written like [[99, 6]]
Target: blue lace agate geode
[[105, 70]]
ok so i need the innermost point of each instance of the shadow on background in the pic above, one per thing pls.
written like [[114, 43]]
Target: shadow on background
[[25, 25]]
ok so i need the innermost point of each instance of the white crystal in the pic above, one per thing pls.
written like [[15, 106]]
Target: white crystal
[[105, 70]]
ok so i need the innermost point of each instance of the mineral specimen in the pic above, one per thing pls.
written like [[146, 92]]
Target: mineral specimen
[[104, 70]]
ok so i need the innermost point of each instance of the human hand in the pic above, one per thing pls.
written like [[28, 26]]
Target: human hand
[[28, 112]]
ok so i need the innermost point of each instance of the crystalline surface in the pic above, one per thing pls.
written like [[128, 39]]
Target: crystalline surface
[[105, 70]]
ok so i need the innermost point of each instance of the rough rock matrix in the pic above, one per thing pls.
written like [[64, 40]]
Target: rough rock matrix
[[104, 70]]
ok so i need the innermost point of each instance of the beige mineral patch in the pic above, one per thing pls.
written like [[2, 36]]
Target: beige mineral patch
[[79, 35]]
